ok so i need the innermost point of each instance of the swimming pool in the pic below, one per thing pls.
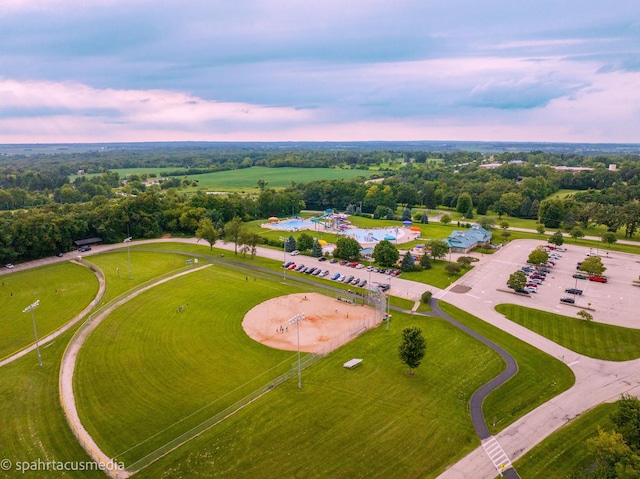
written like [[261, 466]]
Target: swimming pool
[[292, 225], [363, 235]]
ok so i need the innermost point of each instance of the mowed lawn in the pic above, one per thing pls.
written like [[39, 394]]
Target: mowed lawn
[[596, 340], [64, 289], [373, 421], [145, 265], [540, 376], [565, 451], [157, 365]]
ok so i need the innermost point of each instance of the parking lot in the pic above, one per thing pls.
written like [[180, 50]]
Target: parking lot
[[615, 302]]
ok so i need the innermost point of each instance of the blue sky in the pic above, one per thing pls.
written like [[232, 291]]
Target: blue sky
[[250, 70]]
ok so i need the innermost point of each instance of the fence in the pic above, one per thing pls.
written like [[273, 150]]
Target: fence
[[217, 418]]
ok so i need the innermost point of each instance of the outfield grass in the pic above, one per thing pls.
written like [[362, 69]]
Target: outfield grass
[[64, 289], [540, 376], [173, 363], [565, 451], [596, 340], [145, 265], [374, 421]]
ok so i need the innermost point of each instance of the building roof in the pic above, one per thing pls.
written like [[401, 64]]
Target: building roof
[[467, 238], [87, 241]]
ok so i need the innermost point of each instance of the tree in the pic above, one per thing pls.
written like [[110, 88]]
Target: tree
[[305, 241], [540, 228], [425, 261], [464, 204], [487, 223], [412, 348], [556, 238], [627, 420], [207, 232], [509, 203], [407, 262], [347, 248], [445, 219], [593, 265], [424, 218], [232, 232], [538, 256], [452, 268], [438, 248], [577, 233], [290, 244], [551, 213], [385, 253], [609, 237], [504, 224], [316, 250], [517, 280], [406, 214], [426, 297], [465, 260], [585, 315]]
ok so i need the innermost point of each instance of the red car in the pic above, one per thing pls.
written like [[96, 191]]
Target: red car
[[598, 278]]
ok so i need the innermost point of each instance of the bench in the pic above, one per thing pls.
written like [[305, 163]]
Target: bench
[[345, 300], [352, 363]]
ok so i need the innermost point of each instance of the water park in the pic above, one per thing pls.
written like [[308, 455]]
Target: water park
[[338, 223]]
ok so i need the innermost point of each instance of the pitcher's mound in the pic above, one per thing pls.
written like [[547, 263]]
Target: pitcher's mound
[[328, 323]]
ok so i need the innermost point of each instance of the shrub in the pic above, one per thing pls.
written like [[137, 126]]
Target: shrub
[[426, 297]]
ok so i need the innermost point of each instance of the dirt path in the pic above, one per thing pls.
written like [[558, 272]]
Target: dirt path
[[67, 369], [79, 317]]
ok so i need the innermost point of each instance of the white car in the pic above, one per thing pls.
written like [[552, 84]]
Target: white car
[[359, 266], [530, 289], [8, 266], [295, 253], [562, 250]]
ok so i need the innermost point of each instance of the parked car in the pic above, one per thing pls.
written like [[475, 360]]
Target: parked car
[[396, 272], [598, 278], [573, 291], [9, 266], [354, 281], [84, 249], [300, 267], [353, 264], [333, 261], [343, 262], [531, 289], [535, 281], [537, 276], [532, 285], [322, 258], [287, 264], [580, 276], [293, 266], [295, 253], [323, 273], [561, 249], [309, 270], [317, 272], [568, 300], [542, 269], [60, 255], [335, 276], [363, 283], [359, 266], [522, 291], [592, 254], [384, 287], [347, 279]]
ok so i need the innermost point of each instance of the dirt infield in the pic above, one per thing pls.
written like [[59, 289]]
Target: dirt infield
[[328, 322]]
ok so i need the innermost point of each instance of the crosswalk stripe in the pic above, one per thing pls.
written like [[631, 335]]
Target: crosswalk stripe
[[497, 455]]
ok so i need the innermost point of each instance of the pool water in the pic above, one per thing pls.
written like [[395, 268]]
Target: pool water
[[292, 225], [374, 235]]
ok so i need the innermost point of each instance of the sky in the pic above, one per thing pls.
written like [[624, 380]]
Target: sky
[[250, 70]]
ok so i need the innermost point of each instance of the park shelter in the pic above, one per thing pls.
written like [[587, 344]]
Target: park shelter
[[463, 241]]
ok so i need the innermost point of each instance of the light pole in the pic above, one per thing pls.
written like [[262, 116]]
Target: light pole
[[284, 257], [296, 320], [388, 303], [31, 307], [128, 240]]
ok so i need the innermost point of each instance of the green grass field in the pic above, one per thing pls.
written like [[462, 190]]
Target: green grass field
[[374, 421], [64, 289], [596, 340], [247, 179], [209, 355], [540, 377], [565, 451]]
